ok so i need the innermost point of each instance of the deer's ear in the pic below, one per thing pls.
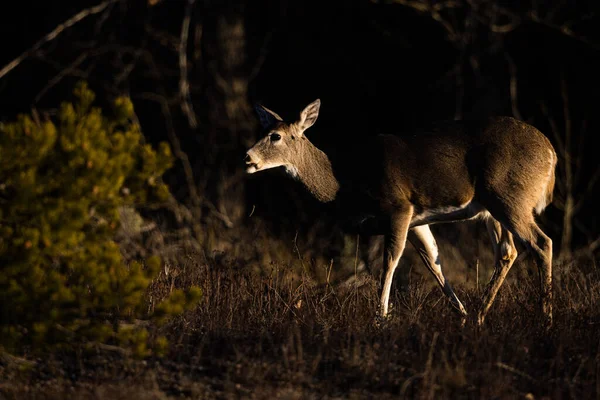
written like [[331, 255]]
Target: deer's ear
[[267, 117], [309, 115]]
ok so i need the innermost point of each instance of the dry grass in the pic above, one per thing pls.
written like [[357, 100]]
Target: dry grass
[[276, 335]]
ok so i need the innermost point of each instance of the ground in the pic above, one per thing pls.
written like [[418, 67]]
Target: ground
[[269, 336]]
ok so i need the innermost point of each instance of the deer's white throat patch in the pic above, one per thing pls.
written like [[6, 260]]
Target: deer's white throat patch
[[292, 171]]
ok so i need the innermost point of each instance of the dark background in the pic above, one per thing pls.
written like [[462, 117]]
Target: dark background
[[376, 66]]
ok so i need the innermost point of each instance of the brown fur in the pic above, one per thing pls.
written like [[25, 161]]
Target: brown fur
[[500, 168]]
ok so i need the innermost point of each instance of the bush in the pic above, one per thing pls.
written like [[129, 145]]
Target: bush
[[62, 183]]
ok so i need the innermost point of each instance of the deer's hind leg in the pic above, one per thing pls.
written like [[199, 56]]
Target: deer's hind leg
[[523, 226], [540, 246], [424, 242], [505, 254]]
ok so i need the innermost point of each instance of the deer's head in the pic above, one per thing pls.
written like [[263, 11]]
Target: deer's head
[[284, 144]]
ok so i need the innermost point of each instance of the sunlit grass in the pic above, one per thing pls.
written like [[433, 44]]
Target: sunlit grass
[[288, 335]]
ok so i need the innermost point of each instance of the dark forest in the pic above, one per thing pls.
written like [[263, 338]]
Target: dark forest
[[245, 286]]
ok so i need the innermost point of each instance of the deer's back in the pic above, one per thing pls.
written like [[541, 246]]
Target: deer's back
[[449, 163]]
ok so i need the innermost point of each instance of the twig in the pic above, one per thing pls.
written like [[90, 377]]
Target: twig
[[329, 272], [184, 85], [488, 16], [54, 33], [477, 276], [434, 12], [564, 30], [285, 303], [505, 28], [515, 371], [58, 77], [129, 67], [298, 251]]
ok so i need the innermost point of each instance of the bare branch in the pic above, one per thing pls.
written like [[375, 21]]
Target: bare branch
[[515, 21], [129, 67], [515, 371], [54, 33], [425, 8], [58, 77], [184, 85], [488, 16], [563, 29]]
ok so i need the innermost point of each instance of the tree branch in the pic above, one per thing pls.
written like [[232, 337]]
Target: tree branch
[[488, 14], [54, 33], [434, 12], [184, 85], [58, 77]]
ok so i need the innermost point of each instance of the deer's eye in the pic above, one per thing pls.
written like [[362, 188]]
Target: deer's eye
[[275, 137]]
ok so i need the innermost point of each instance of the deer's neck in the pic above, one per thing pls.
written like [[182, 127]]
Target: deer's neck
[[314, 170]]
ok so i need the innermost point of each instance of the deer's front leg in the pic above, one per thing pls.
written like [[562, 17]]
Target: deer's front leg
[[395, 241]]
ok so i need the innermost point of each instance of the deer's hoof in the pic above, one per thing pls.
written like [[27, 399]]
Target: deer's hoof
[[382, 318], [380, 321]]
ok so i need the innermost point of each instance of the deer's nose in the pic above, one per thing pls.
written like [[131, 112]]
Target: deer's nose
[[247, 158]]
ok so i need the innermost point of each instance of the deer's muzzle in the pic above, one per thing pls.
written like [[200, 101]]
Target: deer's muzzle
[[251, 164]]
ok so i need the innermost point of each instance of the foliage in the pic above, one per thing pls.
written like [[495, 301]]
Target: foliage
[[62, 183]]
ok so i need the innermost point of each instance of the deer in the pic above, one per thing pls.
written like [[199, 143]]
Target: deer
[[498, 169]]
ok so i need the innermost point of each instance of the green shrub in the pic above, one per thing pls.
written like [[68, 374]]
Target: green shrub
[[62, 182]]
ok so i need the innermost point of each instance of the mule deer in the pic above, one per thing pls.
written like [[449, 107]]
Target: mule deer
[[499, 169]]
